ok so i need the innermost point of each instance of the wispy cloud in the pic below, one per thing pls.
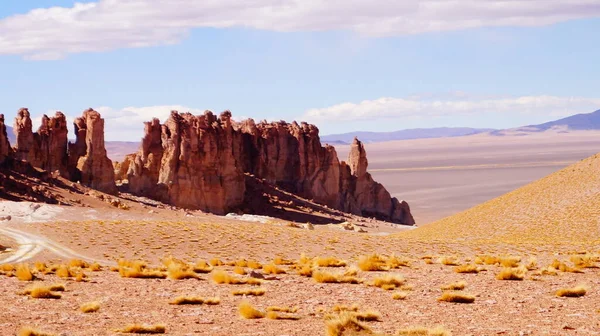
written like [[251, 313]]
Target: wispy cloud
[[53, 33], [461, 104]]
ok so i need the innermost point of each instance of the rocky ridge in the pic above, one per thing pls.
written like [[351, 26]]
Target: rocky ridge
[[199, 162]]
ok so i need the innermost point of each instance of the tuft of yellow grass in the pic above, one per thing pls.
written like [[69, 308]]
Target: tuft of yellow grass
[[321, 276], [90, 307], [509, 261], [460, 285], [78, 263], [372, 263], [253, 264], [305, 270], [239, 270], [467, 268], [247, 311], [195, 300], [578, 291], [346, 323], [400, 295], [202, 267], [63, 271], [272, 269], [282, 261], [585, 260], [282, 309], [457, 297], [42, 292], [273, 315], [27, 331], [216, 262], [512, 273], [448, 261], [141, 274], [23, 273], [396, 262], [250, 291], [95, 267], [329, 262], [422, 331], [368, 316], [531, 264], [180, 272], [221, 277], [389, 281], [144, 329], [564, 267]]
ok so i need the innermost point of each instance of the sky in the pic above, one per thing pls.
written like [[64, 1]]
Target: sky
[[348, 65]]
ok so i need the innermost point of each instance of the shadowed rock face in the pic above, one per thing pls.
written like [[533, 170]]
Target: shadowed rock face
[[51, 144], [199, 162], [5, 149]]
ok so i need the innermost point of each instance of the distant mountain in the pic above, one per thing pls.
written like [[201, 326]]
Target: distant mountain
[[415, 133], [11, 136], [577, 122]]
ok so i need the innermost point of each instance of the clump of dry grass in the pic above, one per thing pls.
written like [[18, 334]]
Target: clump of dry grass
[[253, 264], [305, 270], [142, 274], [250, 291], [345, 323], [457, 297], [7, 267], [202, 267], [327, 277], [43, 292], [90, 307], [180, 271], [467, 268], [531, 264], [23, 273], [78, 263], [195, 300], [422, 331], [221, 277], [247, 311], [572, 292], [216, 262], [585, 260], [27, 331], [400, 295], [396, 262], [388, 281], [368, 316], [95, 267], [282, 309], [448, 261], [144, 329], [273, 315], [282, 261], [272, 269], [53, 288], [512, 273], [564, 267], [329, 262], [460, 285], [372, 263], [239, 270]]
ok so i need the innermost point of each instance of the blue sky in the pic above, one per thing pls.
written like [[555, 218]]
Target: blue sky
[[343, 68]]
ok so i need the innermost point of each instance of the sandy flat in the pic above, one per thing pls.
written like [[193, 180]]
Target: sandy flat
[[440, 177]]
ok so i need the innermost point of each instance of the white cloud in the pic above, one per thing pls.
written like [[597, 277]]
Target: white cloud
[[414, 107], [53, 33]]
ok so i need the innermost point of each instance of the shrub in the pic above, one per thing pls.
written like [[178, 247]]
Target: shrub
[[90, 307], [372, 263], [388, 281], [326, 277], [512, 273], [467, 268], [346, 323], [457, 297], [23, 273], [250, 291], [26, 331], [43, 292], [455, 286], [572, 292], [144, 329], [272, 269], [329, 262], [195, 300], [247, 311]]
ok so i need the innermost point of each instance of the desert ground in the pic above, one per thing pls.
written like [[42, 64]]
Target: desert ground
[[525, 263], [441, 177]]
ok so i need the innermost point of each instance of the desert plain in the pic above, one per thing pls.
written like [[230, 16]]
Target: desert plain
[[522, 264]]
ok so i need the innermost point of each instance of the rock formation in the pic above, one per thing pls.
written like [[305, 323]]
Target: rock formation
[[199, 162], [87, 156], [24, 148], [50, 145], [5, 149]]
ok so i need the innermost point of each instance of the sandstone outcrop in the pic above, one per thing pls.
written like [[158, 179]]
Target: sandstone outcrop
[[50, 144], [199, 162], [5, 149], [87, 156], [24, 148]]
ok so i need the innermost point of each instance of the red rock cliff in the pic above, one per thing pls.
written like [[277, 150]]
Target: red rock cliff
[[93, 167], [24, 148], [5, 149], [199, 161]]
